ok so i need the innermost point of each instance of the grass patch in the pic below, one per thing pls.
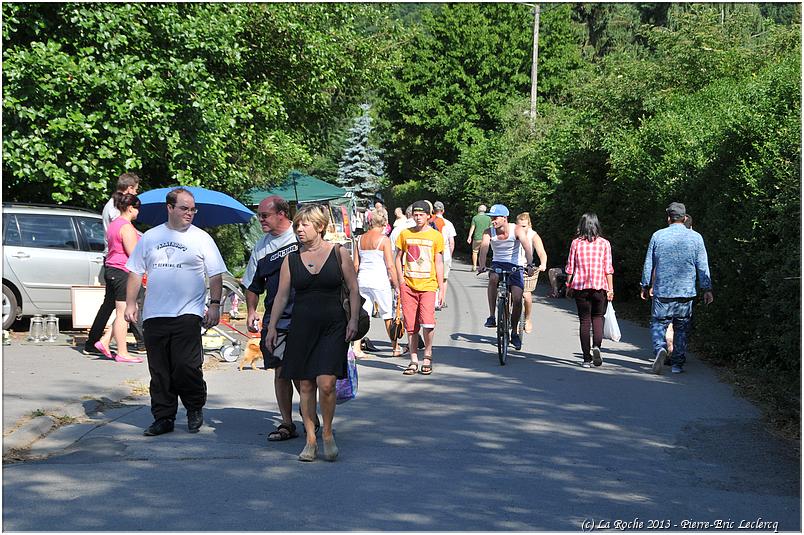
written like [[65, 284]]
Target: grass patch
[[138, 389], [63, 420]]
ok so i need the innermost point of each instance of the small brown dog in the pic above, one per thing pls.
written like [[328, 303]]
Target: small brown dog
[[252, 353]]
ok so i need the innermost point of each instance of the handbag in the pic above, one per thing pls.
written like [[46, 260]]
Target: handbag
[[396, 329], [346, 388], [611, 329], [363, 320]]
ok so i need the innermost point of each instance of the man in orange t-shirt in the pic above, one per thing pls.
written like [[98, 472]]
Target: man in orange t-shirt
[[420, 268]]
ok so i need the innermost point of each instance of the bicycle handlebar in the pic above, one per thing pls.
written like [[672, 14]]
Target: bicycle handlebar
[[500, 271]]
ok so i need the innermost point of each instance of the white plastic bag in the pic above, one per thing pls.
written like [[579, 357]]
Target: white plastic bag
[[610, 328]]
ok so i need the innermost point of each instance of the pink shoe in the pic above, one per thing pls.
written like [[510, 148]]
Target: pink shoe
[[121, 358], [106, 353]]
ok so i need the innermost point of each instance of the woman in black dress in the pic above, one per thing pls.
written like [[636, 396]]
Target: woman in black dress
[[319, 334]]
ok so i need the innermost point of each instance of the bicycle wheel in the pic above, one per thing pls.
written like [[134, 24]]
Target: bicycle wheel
[[503, 331]]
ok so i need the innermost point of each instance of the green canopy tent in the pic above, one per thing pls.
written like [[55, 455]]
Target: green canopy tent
[[298, 188]]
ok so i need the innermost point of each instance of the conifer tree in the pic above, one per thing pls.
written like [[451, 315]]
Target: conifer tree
[[361, 169]]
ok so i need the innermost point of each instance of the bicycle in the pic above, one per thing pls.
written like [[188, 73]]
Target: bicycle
[[504, 309]]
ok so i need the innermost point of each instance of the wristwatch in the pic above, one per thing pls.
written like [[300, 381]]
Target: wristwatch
[[214, 301]]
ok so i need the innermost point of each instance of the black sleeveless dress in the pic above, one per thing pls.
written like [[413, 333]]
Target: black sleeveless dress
[[316, 342]]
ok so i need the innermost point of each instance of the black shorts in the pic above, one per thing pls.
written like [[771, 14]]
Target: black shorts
[[116, 281], [269, 358]]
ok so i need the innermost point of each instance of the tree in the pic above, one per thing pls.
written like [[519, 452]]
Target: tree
[[227, 96], [361, 169], [460, 70]]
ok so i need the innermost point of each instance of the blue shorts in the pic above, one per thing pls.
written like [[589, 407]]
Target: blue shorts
[[514, 279]]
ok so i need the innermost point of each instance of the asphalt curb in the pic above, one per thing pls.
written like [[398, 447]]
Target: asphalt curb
[[29, 433]]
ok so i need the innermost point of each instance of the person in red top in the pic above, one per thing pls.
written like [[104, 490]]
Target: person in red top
[[590, 280]]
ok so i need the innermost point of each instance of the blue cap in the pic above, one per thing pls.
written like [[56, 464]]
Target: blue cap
[[499, 209]]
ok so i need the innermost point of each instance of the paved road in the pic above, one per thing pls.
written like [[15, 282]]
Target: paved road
[[540, 444]]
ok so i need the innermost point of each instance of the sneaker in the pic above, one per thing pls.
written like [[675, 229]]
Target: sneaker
[[516, 341], [596, 358], [586, 364], [490, 322], [677, 369], [368, 345], [139, 349], [658, 362], [160, 427], [91, 351], [195, 419]]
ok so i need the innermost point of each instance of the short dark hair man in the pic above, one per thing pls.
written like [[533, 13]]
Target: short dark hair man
[[262, 275], [676, 257], [176, 256], [126, 183]]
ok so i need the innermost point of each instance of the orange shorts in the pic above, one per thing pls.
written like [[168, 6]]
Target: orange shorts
[[418, 309]]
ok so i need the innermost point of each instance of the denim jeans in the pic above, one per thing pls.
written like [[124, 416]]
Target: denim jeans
[[677, 310]]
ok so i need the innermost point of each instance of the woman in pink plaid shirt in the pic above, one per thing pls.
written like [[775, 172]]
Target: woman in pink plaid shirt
[[589, 270]]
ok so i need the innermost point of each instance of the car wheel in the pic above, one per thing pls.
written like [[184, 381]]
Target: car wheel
[[10, 307]]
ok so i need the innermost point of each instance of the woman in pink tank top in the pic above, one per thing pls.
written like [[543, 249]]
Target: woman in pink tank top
[[121, 238]]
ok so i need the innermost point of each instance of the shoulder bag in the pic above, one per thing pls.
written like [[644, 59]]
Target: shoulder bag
[[396, 329], [363, 320]]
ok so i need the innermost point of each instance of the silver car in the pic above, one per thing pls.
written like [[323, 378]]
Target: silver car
[[47, 249]]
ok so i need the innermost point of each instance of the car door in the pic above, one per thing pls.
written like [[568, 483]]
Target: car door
[[47, 260], [93, 242]]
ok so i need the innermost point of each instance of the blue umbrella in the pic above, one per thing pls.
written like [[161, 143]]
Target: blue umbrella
[[214, 208]]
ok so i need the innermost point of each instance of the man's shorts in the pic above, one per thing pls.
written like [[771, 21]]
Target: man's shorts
[[447, 268], [514, 279], [418, 309], [384, 299], [116, 281], [273, 359], [476, 245]]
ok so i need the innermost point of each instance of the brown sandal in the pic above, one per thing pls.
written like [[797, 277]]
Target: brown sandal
[[427, 369], [283, 432], [412, 368]]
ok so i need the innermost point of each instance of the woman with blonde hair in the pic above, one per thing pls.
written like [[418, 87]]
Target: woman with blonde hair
[[523, 220], [376, 273], [319, 333]]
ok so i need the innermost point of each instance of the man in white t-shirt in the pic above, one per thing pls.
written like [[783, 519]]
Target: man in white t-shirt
[[262, 275], [400, 226], [176, 256], [448, 232]]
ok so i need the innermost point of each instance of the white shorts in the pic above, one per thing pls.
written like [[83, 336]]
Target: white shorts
[[384, 299]]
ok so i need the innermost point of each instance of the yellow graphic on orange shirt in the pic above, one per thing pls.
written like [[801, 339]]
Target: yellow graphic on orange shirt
[[419, 250]]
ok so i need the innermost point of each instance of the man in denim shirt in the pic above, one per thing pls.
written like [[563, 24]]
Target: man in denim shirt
[[676, 256]]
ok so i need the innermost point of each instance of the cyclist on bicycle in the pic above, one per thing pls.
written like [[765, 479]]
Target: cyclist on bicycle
[[505, 240]]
